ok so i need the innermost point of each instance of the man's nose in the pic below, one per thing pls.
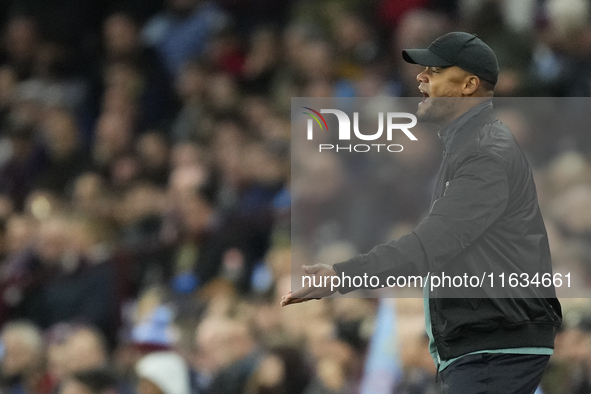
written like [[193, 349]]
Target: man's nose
[[422, 77]]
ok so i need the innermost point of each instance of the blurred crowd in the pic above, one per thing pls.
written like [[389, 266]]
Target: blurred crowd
[[145, 190]]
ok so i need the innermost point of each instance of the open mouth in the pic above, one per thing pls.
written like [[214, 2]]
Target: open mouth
[[425, 97]]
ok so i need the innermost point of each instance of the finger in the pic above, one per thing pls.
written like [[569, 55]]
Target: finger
[[292, 301], [311, 269], [288, 301], [286, 295]]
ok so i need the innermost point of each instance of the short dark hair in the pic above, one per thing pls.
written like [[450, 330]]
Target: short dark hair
[[96, 380]]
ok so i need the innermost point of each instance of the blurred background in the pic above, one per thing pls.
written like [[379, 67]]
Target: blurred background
[[145, 189]]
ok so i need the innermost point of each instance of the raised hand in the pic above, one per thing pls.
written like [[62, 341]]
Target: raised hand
[[323, 274]]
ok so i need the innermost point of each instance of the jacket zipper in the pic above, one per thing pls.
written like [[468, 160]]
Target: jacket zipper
[[443, 195]]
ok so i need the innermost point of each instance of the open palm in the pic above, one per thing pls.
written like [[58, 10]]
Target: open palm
[[306, 293]]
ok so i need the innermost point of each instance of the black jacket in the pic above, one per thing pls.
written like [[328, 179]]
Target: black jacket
[[484, 218]]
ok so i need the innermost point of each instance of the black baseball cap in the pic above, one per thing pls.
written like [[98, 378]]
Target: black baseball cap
[[460, 49]]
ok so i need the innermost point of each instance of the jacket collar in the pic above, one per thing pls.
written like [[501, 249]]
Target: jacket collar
[[451, 134]]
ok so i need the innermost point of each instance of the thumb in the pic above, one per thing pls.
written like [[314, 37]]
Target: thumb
[[311, 269]]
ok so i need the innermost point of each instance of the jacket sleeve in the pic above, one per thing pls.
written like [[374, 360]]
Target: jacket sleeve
[[475, 197]]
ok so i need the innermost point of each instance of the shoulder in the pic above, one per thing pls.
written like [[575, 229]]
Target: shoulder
[[490, 144], [496, 139]]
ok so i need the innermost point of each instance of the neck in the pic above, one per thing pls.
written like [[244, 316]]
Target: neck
[[463, 105]]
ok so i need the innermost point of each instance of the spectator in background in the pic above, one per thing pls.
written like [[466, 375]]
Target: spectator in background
[[23, 362], [561, 52], [21, 42], [222, 94], [282, 370], [190, 122], [74, 348], [261, 62], [66, 277], [153, 152], [28, 270], [19, 231], [139, 214], [163, 373], [27, 159], [17, 237], [83, 290], [113, 134], [148, 326], [65, 156], [227, 353], [357, 48], [122, 45], [86, 349], [181, 33]]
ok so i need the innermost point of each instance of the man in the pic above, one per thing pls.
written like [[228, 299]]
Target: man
[[74, 348], [21, 364], [162, 373], [484, 217]]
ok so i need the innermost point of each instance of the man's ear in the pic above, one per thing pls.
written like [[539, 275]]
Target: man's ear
[[471, 85]]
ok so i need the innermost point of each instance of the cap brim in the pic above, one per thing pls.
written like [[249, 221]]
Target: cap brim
[[424, 57]]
